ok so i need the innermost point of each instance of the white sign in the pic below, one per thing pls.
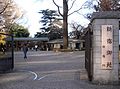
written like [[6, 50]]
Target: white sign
[[107, 46]]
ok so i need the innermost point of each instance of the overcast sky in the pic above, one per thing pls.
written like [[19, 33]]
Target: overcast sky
[[31, 8]]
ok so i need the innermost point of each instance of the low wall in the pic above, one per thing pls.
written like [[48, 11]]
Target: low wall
[[6, 64], [6, 52]]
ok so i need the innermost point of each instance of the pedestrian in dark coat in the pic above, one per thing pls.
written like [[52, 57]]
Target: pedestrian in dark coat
[[25, 49]]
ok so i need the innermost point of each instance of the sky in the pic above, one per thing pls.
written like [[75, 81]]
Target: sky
[[32, 17]]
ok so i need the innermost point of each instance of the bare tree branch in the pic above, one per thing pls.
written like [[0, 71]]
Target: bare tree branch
[[77, 30], [83, 6], [85, 16], [4, 8], [10, 13], [72, 5], [57, 7], [74, 11]]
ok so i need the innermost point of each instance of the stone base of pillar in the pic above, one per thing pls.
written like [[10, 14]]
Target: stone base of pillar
[[101, 82]]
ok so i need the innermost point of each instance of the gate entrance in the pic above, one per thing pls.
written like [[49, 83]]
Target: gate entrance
[[102, 48], [6, 52], [88, 53]]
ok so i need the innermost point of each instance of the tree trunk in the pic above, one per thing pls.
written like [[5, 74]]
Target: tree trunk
[[65, 24]]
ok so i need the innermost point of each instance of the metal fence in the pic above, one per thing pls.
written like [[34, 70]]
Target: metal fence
[[6, 52]]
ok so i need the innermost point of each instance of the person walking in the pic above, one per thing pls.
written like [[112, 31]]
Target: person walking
[[25, 49], [36, 47]]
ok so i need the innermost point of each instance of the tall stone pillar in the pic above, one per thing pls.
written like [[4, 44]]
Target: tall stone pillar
[[105, 45]]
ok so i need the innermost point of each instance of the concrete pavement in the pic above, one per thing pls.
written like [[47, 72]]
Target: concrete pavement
[[49, 70]]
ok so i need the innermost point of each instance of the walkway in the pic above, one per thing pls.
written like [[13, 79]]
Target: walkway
[[49, 70]]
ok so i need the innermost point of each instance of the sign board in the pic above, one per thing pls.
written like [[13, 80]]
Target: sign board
[[107, 47]]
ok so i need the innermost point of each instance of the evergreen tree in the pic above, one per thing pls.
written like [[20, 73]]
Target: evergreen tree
[[48, 17]]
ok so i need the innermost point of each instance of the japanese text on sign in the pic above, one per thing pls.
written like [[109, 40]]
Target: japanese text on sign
[[107, 47]]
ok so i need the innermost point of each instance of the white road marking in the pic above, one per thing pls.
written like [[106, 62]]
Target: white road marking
[[51, 72], [42, 77], [35, 74]]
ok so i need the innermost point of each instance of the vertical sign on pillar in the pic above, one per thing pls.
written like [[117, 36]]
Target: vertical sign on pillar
[[107, 47]]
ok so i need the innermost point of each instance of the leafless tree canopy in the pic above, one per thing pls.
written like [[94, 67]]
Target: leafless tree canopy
[[66, 12], [85, 5], [9, 12], [108, 5], [77, 30]]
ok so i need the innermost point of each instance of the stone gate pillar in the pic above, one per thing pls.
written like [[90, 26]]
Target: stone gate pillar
[[105, 45]]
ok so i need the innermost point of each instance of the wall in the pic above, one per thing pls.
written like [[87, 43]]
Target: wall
[[105, 75]]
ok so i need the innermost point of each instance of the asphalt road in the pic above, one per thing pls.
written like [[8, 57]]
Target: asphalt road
[[49, 70]]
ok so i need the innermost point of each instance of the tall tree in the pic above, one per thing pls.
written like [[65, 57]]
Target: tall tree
[[65, 15], [4, 4], [51, 25], [40, 34], [55, 33], [9, 13], [48, 17]]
